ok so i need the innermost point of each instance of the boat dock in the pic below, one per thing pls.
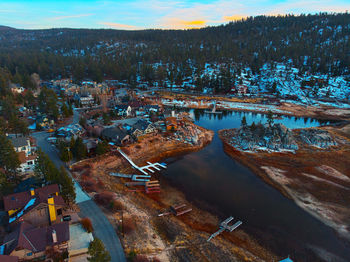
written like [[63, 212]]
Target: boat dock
[[225, 226], [143, 169]]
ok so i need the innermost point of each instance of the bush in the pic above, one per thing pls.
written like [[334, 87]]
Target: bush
[[141, 258], [116, 205], [88, 185], [128, 225], [104, 198], [87, 225], [100, 183]]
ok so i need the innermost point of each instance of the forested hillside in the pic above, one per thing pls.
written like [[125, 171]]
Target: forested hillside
[[312, 43]]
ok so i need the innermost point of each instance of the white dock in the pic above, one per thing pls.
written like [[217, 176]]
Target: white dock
[[143, 169]]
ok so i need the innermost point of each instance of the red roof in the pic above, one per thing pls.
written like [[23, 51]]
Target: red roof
[[19, 200], [4, 258], [36, 239]]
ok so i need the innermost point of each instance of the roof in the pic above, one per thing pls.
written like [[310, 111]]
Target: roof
[[114, 133], [19, 141], [4, 258], [36, 239], [27, 184], [141, 125], [19, 200]]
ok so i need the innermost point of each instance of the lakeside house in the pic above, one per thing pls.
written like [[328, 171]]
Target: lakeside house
[[117, 135], [142, 127], [171, 123]]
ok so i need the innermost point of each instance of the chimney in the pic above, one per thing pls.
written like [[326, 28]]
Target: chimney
[[32, 192], [54, 237]]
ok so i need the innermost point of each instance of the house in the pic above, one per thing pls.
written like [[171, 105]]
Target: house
[[21, 144], [39, 207], [84, 100], [17, 89], [4, 258], [91, 144], [27, 163], [43, 121], [67, 132], [142, 127], [28, 242], [171, 123], [117, 135], [240, 90], [24, 146]]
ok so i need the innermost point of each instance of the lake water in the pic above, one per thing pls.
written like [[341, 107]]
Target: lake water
[[220, 184]]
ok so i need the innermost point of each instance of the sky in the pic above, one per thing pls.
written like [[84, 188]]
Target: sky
[[146, 14]]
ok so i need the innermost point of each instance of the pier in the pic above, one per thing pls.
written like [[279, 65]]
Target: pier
[[143, 169], [225, 226]]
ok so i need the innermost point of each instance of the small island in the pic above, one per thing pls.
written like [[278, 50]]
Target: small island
[[310, 166]]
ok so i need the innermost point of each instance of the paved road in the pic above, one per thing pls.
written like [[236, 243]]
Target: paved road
[[102, 227]]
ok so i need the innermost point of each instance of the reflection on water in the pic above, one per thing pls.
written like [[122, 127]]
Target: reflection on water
[[229, 188]]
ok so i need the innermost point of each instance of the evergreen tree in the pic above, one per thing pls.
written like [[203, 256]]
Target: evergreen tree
[[270, 119], [244, 122], [79, 149], [97, 252], [67, 186], [8, 156], [102, 148]]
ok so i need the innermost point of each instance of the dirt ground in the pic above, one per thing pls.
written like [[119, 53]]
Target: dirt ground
[[166, 238], [318, 180]]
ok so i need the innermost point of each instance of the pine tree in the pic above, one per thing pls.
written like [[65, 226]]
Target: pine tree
[[8, 156], [79, 151], [67, 186], [97, 252], [244, 122], [102, 148], [270, 119]]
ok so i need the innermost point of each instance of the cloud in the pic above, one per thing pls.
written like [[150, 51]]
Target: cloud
[[233, 18], [119, 26], [70, 16], [177, 23]]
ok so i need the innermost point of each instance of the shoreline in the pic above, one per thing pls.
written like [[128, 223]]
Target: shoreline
[[242, 244], [321, 112], [275, 169]]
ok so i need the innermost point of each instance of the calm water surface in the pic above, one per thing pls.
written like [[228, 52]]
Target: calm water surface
[[219, 183]]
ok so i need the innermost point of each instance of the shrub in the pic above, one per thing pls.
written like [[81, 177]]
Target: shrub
[[87, 225], [141, 258], [116, 205], [128, 225], [104, 198]]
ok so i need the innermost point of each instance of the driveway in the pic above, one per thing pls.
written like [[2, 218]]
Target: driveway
[[102, 227]]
